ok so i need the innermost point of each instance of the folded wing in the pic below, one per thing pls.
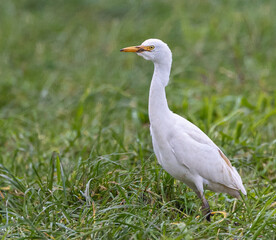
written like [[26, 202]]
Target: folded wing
[[196, 150]]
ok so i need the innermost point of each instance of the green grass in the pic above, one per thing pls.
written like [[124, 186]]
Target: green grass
[[76, 160]]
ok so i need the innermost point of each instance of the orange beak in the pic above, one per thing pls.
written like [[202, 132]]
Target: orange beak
[[136, 49]]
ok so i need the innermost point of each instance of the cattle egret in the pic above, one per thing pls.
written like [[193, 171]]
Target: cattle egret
[[181, 148]]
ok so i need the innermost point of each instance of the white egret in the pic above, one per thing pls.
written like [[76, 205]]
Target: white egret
[[181, 148]]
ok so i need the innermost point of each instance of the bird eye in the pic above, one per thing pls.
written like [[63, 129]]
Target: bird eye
[[151, 47]]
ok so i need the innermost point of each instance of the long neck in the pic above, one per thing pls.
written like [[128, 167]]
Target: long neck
[[158, 105]]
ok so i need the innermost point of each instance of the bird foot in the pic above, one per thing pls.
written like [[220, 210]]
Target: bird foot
[[220, 212], [210, 214]]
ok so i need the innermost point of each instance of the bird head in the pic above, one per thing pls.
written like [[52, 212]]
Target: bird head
[[152, 49]]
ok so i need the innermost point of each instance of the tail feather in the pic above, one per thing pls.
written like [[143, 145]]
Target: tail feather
[[238, 181]]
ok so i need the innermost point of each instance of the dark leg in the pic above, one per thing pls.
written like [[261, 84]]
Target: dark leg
[[205, 206]]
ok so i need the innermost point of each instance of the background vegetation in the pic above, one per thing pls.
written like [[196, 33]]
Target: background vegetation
[[75, 150]]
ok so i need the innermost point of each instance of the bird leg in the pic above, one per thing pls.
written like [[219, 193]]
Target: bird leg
[[205, 206]]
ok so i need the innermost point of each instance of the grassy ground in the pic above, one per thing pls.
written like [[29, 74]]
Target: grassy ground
[[76, 160]]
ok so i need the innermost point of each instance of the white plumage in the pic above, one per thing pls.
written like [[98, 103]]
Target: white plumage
[[181, 148]]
